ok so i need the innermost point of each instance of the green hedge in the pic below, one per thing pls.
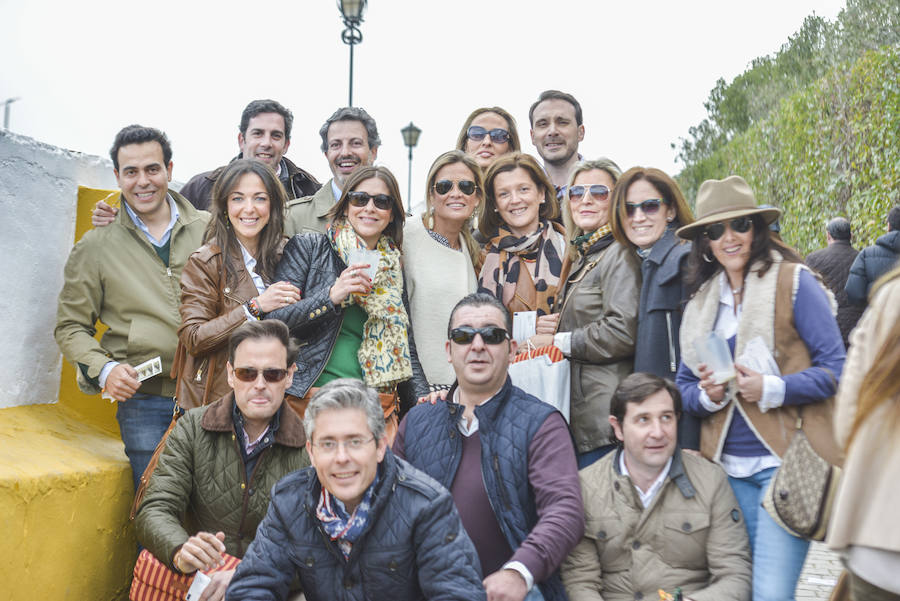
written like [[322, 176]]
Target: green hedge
[[832, 149]]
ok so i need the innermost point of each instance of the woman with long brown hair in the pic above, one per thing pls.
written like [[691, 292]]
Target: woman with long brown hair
[[866, 421], [231, 278]]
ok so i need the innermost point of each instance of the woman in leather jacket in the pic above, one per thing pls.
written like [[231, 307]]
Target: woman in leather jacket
[[230, 277], [353, 318], [595, 314]]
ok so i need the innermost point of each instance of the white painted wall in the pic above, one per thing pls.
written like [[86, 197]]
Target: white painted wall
[[38, 196]]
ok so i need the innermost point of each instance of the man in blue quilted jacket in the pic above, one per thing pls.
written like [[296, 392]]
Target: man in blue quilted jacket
[[361, 523]]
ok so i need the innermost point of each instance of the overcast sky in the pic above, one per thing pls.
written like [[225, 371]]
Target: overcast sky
[[641, 70]]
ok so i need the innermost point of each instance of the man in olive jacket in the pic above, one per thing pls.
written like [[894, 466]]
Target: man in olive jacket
[[221, 460], [127, 275], [656, 517]]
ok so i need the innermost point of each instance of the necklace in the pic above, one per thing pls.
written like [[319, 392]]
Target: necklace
[[737, 291]]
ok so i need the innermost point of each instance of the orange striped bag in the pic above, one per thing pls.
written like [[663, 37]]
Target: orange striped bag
[[153, 581]]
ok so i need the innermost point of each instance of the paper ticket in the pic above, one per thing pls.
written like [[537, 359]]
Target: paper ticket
[[149, 368]]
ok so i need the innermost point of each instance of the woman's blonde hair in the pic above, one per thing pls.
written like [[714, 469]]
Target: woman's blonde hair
[[450, 158], [603, 164]]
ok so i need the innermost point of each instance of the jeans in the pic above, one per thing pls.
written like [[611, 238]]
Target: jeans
[[587, 458], [534, 594], [777, 556], [143, 419]]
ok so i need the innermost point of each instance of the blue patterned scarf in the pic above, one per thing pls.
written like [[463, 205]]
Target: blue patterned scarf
[[337, 524]]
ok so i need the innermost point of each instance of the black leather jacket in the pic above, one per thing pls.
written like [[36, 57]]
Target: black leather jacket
[[310, 263]]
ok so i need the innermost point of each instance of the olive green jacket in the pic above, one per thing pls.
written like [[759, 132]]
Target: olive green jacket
[[115, 276], [310, 213], [201, 475], [692, 536]]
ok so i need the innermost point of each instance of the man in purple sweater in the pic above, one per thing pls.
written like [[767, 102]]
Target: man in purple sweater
[[506, 457]]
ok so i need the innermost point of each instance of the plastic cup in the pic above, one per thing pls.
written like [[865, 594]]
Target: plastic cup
[[713, 350]]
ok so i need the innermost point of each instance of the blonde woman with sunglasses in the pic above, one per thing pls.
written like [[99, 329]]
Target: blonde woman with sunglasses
[[440, 257], [353, 320]]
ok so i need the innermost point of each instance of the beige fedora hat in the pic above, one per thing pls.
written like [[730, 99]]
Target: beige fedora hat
[[724, 199]]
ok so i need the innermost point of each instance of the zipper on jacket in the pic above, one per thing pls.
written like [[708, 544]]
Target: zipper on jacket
[[503, 496], [199, 377], [672, 367]]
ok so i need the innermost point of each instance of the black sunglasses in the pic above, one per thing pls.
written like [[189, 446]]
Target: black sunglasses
[[649, 206], [270, 374], [361, 199], [598, 191], [490, 334], [477, 134], [466, 186], [741, 225]]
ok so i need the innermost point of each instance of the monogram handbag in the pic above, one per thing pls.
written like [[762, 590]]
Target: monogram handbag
[[802, 492], [153, 581]]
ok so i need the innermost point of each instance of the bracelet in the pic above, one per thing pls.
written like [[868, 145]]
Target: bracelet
[[253, 308]]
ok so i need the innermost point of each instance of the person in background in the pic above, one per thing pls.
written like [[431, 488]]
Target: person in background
[[647, 207], [556, 130], [634, 497], [230, 277], [350, 141], [506, 457], [524, 255], [220, 461], [439, 255], [351, 325], [874, 261], [361, 523], [833, 264], [755, 293], [488, 134], [866, 420], [594, 319]]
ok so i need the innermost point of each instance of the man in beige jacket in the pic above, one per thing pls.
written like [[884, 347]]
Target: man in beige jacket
[[656, 517]]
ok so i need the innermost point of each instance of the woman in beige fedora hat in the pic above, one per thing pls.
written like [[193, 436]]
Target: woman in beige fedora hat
[[777, 317]]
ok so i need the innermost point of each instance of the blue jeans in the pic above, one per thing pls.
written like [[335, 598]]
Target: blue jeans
[[143, 420], [587, 458], [777, 556], [534, 594]]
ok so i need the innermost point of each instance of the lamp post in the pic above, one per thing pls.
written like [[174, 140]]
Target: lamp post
[[6, 104], [352, 14], [410, 138]]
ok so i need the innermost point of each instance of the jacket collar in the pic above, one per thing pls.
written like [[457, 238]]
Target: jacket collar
[[487, 411], [217, 418], [676, 472], [186, 211]]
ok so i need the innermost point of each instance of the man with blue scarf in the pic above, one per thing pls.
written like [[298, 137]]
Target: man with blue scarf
[[361, 523]]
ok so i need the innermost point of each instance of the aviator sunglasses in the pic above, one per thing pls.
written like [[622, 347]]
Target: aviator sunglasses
[[649, 206], [477, 134], [361, 199], [598, 191], [466, 186], [741, 225], [490, 334], [270, 374]]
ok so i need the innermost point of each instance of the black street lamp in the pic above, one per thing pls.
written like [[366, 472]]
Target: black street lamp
[[410, 138], [352, 13]]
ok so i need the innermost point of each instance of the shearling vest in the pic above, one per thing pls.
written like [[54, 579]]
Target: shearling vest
[[774, 323]]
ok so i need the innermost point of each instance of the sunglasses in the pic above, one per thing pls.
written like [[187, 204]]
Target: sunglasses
[[361, 199], [490, 334], [270, 374], [477, 134], [649, 207], [598, 191], [466, 186], [741, 225]]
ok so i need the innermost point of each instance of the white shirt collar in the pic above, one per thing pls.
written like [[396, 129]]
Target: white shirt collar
[[646, 497], [335, 190], [250, 264], [139, 223], [726, 319], [465, 428]]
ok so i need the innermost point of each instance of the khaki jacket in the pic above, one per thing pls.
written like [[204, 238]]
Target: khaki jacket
[[114, 275], [310, 213], [691, 536], [600, 307], [211, 310], [866, 507]]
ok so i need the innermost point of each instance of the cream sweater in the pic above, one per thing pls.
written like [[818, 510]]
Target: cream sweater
[[437, 277]]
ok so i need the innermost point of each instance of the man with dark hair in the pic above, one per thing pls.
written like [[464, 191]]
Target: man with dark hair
[[874, 261], [221, 460], [506, 457], [833, 264], [350, 141], [263, 134], [127, 276], [657, 518], [359, 524], [556, 130]]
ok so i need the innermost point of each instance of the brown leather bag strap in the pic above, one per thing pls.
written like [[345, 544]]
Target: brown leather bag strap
[[154, 459]]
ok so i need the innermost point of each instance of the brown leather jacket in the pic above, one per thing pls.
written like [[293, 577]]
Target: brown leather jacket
[[600, 307], [210, 311]]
